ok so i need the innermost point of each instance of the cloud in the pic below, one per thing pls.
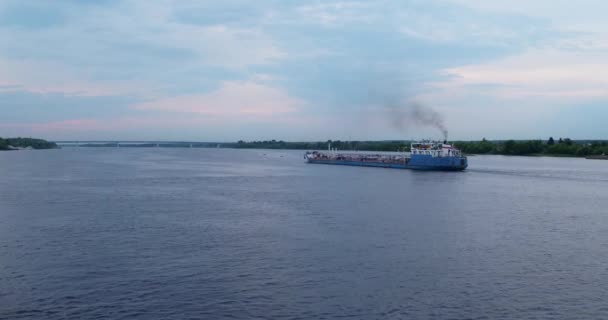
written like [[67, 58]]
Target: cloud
[[545, 73], [571, 13], [137, 39], [64, 125], [241, 64], [18, 105], [48, 77], [29, 15], [247, 99], [101, 129]]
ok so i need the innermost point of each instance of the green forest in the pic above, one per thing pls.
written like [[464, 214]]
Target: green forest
[[16, 143], [551, 147]]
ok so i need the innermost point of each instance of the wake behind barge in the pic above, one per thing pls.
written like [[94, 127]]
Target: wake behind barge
[[426, 155]]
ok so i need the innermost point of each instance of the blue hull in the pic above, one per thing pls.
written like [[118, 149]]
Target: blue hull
[[446, 164]]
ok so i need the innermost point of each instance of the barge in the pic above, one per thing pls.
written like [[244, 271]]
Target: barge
[[425, 155]]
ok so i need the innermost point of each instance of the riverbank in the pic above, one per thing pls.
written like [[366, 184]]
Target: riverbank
[[8, 144], [550, 148], [532, 148], [601, 157], [561, 148]]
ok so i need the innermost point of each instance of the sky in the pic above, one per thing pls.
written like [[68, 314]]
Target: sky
[[302, 70]]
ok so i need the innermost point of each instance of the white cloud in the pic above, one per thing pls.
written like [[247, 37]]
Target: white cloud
[[101, 36], [336, 13], [234, 99], [132, 48], [522, 96], [216, 45], [545, 73], [38, 76]]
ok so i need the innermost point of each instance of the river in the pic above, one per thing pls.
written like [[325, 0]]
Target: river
[[163, 233]]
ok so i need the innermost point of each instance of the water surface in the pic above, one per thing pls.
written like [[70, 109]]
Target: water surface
[[241, 234]]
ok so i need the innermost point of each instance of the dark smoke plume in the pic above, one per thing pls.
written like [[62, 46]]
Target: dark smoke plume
[[416, 114]]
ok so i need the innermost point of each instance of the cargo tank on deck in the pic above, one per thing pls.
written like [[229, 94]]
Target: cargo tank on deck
[[424, 155]]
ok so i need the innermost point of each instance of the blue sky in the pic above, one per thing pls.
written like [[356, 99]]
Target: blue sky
[[301, 70]]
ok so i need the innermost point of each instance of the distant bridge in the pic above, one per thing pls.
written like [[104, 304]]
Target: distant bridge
[[140, 144]]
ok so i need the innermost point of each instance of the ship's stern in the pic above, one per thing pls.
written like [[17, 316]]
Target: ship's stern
[[464, 163]]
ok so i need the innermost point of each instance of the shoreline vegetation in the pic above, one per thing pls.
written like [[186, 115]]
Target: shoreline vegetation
[[556, 148], [560, 148], [25, 144]]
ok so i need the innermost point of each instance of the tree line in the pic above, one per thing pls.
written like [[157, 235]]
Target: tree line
[[561, 147], [10, 143]]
